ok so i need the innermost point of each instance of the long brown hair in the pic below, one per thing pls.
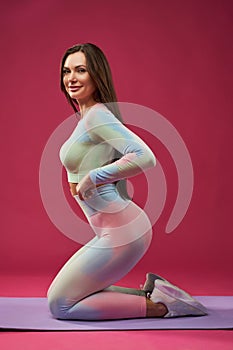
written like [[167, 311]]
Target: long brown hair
[[100, 72]]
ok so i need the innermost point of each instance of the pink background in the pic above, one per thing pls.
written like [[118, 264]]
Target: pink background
[[172, 56]]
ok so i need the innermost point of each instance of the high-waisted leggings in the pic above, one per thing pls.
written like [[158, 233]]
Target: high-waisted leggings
[[83, 289]]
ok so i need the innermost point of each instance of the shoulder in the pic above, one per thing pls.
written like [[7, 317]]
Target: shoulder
[[99, 115]]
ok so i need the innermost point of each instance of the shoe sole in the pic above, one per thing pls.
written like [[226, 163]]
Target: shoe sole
[[180, 295]]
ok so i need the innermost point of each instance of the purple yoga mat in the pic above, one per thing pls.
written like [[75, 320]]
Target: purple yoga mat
[[33, 314]]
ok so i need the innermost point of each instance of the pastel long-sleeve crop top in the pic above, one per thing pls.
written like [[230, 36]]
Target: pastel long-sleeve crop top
[[92, 146]]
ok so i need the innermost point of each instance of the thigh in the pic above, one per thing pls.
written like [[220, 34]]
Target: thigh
[[123, 234], [99, 266], [64, 270]]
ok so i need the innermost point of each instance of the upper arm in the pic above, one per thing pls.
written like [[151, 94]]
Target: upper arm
[[104, 125]]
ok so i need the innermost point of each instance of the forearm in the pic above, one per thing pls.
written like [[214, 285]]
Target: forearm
[[126, 167]]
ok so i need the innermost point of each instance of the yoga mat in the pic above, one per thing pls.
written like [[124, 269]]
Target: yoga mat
[[33, 314]]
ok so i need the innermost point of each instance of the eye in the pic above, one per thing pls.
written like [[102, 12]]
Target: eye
[[81, 70], [65, 71]]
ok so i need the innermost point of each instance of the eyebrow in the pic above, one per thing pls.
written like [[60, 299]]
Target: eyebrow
[[80, 65]]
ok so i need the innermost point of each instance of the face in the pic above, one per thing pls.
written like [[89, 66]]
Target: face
[[77, 80]]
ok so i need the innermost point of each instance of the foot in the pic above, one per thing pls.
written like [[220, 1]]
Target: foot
[[177, 301], [155, 309], [149, 283]]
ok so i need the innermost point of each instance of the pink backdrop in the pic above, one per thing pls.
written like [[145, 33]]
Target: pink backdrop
[[172, 56]]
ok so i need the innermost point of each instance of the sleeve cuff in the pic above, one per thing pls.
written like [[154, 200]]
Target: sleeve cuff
[[93, 176], [74, 178]]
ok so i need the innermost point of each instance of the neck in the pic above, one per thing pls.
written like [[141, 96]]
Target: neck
[[85, 105]]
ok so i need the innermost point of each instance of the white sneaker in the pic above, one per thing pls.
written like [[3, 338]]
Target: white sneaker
[[149, 283], [177, 301]]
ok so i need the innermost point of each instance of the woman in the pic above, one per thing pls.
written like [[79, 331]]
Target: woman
[[98, 156]]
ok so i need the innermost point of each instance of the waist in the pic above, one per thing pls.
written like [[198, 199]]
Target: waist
[[104, 199]]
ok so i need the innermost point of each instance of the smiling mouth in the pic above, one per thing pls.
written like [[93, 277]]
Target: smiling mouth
[[74, 88]]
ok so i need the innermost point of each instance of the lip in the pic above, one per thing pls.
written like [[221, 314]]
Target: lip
[[74, 88]]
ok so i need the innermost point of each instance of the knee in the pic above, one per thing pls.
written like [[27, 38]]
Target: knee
[[57, 307]]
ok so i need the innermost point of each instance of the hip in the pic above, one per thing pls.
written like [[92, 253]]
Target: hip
[[104, 199]]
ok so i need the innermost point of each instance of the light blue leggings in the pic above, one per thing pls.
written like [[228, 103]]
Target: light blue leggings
[[83, 288]]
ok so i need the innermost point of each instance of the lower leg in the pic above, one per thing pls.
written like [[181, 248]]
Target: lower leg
[[106, 305], [126, 290]]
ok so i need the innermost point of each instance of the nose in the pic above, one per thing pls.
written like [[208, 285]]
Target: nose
[[72, 77]]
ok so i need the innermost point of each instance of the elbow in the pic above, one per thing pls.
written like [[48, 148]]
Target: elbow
[[151, 162], [147, 161]]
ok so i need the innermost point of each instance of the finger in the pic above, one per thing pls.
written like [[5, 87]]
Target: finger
[[81, 196], [78, 192]]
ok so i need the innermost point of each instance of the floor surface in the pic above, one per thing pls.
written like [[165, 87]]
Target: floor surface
[[14, 285]]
